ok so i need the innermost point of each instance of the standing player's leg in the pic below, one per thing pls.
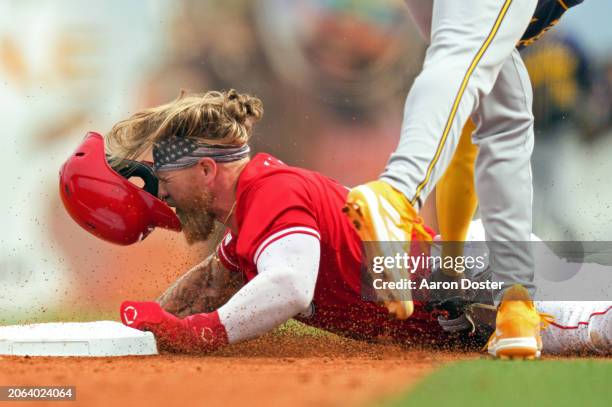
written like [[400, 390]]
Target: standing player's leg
[[455, 205], [470, 41], [503, 182], [503, 174], [456, 200]]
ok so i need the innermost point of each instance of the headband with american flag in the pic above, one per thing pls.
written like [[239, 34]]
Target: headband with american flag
[[175, 153]]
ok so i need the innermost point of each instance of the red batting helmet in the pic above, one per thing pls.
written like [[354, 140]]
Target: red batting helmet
[[105, 203]]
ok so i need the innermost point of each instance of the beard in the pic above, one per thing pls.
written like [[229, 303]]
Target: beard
[[197, 218]]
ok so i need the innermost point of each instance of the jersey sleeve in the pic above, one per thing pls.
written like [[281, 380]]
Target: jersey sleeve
[[275, 207]]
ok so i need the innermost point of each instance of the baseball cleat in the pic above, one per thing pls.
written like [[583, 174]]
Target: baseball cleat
[[383, 216], [518, 326]]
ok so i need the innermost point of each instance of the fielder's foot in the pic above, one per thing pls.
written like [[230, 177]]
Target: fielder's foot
[[381, 214], [518, 325]]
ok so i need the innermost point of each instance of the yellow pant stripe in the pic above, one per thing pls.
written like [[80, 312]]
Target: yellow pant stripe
[[466, 78], [563, 4]]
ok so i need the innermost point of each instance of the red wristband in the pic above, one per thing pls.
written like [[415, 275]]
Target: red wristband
[[209, 329]]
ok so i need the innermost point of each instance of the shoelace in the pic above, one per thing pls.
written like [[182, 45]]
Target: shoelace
[[545, 321]]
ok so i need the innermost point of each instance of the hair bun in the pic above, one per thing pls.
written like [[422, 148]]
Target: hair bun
[[242, 107]]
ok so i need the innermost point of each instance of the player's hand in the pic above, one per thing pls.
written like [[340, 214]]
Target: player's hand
[[149, 316], [143, 315], [195, 334]]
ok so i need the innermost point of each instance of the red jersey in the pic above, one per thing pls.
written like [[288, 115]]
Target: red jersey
[[275, 200]]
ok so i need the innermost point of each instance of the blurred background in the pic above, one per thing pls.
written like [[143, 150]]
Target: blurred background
[[332, 74]]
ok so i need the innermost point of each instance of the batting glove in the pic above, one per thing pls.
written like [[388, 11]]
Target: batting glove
[[194, 334]]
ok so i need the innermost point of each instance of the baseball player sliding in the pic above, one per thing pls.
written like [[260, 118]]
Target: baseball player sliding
[[472, 74], [288, 251]]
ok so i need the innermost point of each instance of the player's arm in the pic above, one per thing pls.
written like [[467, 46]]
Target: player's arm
[[284, 286], [287, 273], [204, 288]]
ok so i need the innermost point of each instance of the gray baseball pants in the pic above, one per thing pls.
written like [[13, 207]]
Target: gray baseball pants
[[472, 69]]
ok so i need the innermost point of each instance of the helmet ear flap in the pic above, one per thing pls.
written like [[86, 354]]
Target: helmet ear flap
[[103, 201], [140, 169]]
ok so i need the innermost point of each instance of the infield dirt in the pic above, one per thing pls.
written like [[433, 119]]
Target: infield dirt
[[276, 370]]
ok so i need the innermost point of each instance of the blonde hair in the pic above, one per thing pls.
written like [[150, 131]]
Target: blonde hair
[[220, 118]]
